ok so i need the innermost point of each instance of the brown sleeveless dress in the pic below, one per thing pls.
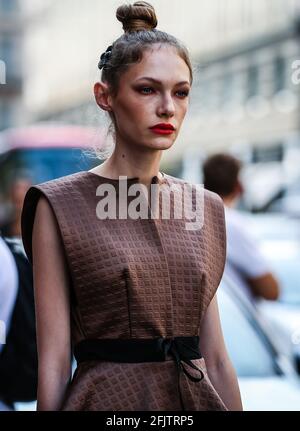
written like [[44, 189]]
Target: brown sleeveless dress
[[141, 278]]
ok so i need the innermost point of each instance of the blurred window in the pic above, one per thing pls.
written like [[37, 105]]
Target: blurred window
[[227, 88], [203, 95], [279, 74], [5, 115], [8, 5], [7, 52], [252, 81], [247, 348], [268, 154]]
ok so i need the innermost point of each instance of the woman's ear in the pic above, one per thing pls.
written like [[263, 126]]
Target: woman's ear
[[102, 96]]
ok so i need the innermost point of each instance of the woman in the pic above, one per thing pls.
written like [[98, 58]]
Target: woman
[[140, 291]]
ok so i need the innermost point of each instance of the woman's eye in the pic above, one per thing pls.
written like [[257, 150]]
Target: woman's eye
[[149, 90], [183, 93], [146, 90]]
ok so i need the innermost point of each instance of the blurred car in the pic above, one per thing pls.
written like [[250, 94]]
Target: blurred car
[[278, 237], [267, 378], [289, 203], [51, 150], [43, 152]]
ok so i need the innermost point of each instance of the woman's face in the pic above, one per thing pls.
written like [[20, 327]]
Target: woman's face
[[152, 92]]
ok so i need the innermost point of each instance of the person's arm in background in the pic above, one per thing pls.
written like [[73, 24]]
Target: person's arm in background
[[51, 287], [218, 364], [266, 286], [244, 255], [8, 288]]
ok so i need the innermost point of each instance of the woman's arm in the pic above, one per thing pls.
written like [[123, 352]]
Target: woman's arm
[[51, 287], [219, 367]]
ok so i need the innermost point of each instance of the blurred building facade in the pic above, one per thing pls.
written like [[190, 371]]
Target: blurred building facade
[[247, 102], [11, 64]]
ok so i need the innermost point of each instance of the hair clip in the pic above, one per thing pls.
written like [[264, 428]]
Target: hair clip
[[105, 57]]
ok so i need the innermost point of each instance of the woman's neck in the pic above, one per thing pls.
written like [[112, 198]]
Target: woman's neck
[[142, 166]]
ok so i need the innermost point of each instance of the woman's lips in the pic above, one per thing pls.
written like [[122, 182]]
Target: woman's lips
[[163, 128], [159, 131]]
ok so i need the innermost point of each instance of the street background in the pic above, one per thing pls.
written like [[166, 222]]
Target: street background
[[245, 101]]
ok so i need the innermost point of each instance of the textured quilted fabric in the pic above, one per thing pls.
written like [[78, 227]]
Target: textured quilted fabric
[[133, 278]]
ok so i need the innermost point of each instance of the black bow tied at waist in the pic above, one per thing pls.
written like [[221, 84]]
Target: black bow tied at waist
[[134, 350]]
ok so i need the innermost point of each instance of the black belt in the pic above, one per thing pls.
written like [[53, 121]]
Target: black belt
[[134, 350]]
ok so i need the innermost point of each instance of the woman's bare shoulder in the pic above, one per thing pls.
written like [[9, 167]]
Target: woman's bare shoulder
[[44, 211], [45, 228], [48, 255]]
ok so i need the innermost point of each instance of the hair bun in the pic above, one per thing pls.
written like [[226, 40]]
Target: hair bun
[[137, 17]]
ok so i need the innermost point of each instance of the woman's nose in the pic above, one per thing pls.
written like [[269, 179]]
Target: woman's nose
[[166, 107]]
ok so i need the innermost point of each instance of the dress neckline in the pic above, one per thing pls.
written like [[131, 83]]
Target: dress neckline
[[134, 179]]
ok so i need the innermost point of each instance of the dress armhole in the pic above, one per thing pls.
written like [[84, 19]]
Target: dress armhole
[[27, 221], [223, 233], [217, 240], [27, 218]]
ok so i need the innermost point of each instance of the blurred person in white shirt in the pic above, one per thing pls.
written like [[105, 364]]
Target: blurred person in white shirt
[[245, 264]]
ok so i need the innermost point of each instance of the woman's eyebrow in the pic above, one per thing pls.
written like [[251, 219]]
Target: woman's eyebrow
[[159, 82]]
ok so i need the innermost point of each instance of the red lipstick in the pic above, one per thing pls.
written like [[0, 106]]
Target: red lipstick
[[163, 128]]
